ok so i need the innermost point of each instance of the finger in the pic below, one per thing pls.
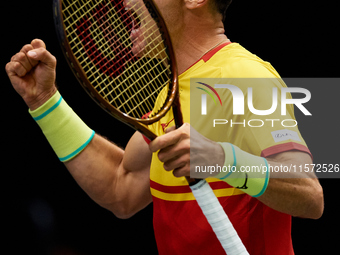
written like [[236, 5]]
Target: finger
[[27, 48], [168, 153], [164, 141], [171, 137], [177, 162], [11, 75], [42, 55], [22, 58], [9, 69], [37, 43], [181, 171], [15, 69], [173, 151]]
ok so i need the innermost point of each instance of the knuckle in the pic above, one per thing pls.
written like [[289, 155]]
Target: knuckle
[[20, 56], [38, 41], [16, 66], [42, 51], [186, 126], [54, 61], [27, 47], [176, 173], [186, 145], [8, 68], [19, 69], [161, 157], [161, 142], [184, 132], [51, 59], [14, 57], [48, 57], [180, 171], [153, 146], [166, 167], [185, 160]]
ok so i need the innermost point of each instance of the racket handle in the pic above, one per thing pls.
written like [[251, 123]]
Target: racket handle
[[218, 219]]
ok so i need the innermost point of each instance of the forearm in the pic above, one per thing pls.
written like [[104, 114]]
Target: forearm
[[95, 163], [95, 169], [116, 179], [274, 181], [297, 197], [295, 193]]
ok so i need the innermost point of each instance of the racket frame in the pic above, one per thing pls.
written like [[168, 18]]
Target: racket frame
[[139, 124]]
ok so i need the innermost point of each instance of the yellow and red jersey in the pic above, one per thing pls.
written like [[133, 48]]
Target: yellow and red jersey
[[180, 227]]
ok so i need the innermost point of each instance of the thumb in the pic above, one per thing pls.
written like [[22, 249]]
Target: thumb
[[42, 55]]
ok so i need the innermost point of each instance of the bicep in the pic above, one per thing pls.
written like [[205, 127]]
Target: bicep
[[133, 182], [137, 155], [116, 179]]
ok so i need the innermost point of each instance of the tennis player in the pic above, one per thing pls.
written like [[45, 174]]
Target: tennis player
[[126, 181]]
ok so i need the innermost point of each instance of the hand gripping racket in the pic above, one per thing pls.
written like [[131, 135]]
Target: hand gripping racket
[[121, 53]]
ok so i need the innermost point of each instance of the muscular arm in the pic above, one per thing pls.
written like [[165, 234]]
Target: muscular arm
[[300, 195], [117, 180]]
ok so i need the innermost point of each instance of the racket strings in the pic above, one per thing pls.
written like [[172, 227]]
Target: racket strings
[[117, 97], [99, 33], [137, 63], [155, 76]]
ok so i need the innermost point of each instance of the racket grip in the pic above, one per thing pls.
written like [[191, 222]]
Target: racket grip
[[218, 219]]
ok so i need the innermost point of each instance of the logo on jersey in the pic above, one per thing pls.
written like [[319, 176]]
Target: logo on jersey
[[247, 99], [204, 97]]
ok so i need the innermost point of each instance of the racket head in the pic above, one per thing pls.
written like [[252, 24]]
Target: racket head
[[111, 44]]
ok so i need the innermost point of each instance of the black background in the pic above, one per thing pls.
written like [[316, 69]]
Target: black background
[[45, 212]]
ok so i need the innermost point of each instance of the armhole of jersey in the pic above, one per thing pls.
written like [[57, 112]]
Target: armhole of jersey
[[146, 139]]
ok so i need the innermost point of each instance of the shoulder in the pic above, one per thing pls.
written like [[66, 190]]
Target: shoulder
[[237, 62]]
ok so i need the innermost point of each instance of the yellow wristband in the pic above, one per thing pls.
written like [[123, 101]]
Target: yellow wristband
[[65, 131], [245, 171]]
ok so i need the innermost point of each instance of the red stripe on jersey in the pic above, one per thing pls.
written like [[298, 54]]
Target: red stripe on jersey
[[169, 189], [283, 148], [211, 53], [146, 139], [185, 189]]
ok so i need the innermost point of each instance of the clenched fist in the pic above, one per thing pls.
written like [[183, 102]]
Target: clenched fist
[[32, 73]]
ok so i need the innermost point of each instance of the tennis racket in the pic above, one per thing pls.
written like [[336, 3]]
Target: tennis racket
[[122, 55]]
